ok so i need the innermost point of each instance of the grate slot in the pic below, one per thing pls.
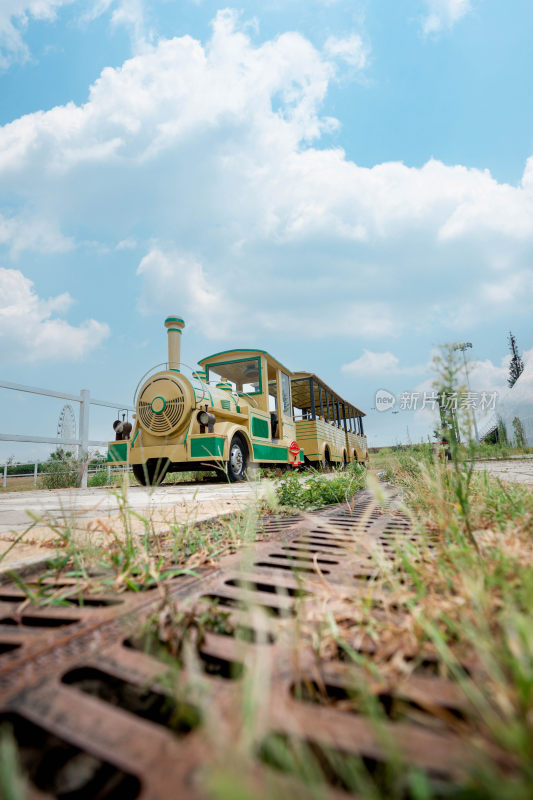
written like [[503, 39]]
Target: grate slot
[[211, 664], [235, 602], [275, 588], [320, 542], [74, 600], [63, 770], [27, 621], [290, 567], [8, 647], [316, 764], [290, 557], [143, 702], [393, 707]]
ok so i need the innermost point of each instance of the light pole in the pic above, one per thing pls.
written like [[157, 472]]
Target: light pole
[[462, 347]]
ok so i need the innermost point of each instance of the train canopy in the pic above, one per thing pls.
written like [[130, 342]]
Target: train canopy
[[313, 395]]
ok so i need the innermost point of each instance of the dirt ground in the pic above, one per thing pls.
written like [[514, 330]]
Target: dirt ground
[[44, 540]]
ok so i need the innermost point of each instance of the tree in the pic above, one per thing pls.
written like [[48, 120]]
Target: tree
[[448, 368], [519, 435], [516, 365]]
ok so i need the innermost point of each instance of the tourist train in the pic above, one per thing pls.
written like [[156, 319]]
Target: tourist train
[[240, 409]]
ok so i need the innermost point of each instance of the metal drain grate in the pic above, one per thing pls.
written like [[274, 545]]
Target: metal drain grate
[[90, 693]]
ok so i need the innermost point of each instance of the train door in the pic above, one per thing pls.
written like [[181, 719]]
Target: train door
[[284, 403]]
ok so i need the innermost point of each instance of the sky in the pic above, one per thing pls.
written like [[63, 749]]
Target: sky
[[347, 184]]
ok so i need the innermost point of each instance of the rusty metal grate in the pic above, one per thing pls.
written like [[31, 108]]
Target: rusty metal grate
[[83, 688]]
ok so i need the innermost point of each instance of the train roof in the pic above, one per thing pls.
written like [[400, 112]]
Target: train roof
[[301, 392], [243, 352]]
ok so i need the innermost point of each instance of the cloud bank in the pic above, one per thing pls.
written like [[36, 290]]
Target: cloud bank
[[32, 330], [215, 158]]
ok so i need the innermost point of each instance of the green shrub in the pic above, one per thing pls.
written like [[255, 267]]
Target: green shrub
[[61, 473], [320, 490], [98, 478]]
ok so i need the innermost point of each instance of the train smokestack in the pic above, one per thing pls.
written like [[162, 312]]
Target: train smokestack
[[174, 326]]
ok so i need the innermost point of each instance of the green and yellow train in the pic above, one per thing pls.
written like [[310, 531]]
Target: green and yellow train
[[242, 408]]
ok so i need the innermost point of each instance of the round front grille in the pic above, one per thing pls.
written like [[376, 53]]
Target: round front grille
[[161, 406]]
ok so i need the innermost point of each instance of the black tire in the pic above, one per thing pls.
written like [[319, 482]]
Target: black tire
[[151, 473], [344, 460], [238, 458]]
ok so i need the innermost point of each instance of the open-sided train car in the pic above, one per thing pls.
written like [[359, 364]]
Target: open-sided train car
[[219, 418], [329, 429]]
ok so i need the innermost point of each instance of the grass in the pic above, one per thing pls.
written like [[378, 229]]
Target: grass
[[135, 553], [317, 490], [459, 598], [474, 451], [469, 601]]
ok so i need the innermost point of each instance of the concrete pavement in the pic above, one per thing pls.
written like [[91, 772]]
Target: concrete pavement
[[516, 470], [101, 502]]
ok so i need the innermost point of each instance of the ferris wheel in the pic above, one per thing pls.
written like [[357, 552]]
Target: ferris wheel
[[66, 424]]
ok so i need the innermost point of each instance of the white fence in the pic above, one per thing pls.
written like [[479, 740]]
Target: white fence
[[82, 441], [36, 474]]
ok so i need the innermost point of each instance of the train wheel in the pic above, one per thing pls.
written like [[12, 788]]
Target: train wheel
[[151, 473], [237, 460]]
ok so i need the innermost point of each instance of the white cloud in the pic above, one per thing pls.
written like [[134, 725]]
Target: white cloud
[[508, 291], [215, 151], [20, 234], [442, 14], [14, 17], [30, 329], [350, 49], [129, 13], [383, 364], [126, 244], [173, 280], [373, 364], [342, 318]]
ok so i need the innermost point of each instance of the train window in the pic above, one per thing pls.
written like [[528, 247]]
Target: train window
[[272, 395], [286, 395], [244, 375]]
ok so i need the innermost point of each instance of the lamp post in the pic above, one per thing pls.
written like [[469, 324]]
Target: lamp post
[[463, 347]]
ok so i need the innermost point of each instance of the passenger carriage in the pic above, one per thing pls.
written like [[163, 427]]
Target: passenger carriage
[[329, 429], [234, 412]]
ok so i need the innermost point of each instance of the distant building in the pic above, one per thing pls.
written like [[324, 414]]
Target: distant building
[[516, 404]]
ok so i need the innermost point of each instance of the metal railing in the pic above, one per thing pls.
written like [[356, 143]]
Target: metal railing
[[82, 441]]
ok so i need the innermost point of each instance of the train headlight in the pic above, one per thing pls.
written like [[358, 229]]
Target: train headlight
[[203, 418], [206, 420]]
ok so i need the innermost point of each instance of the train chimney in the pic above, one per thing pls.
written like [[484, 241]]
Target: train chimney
[[174, 326]]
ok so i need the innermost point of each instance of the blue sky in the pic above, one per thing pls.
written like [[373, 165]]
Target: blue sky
[[344, 184]]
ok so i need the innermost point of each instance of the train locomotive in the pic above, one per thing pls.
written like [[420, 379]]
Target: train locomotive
[[219, 418]]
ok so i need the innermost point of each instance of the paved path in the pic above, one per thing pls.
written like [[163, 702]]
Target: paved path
[[87, 503], [515, 470]]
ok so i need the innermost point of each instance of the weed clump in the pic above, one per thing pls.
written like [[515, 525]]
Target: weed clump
[[318, 490], [100, 478], [61, 473]]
